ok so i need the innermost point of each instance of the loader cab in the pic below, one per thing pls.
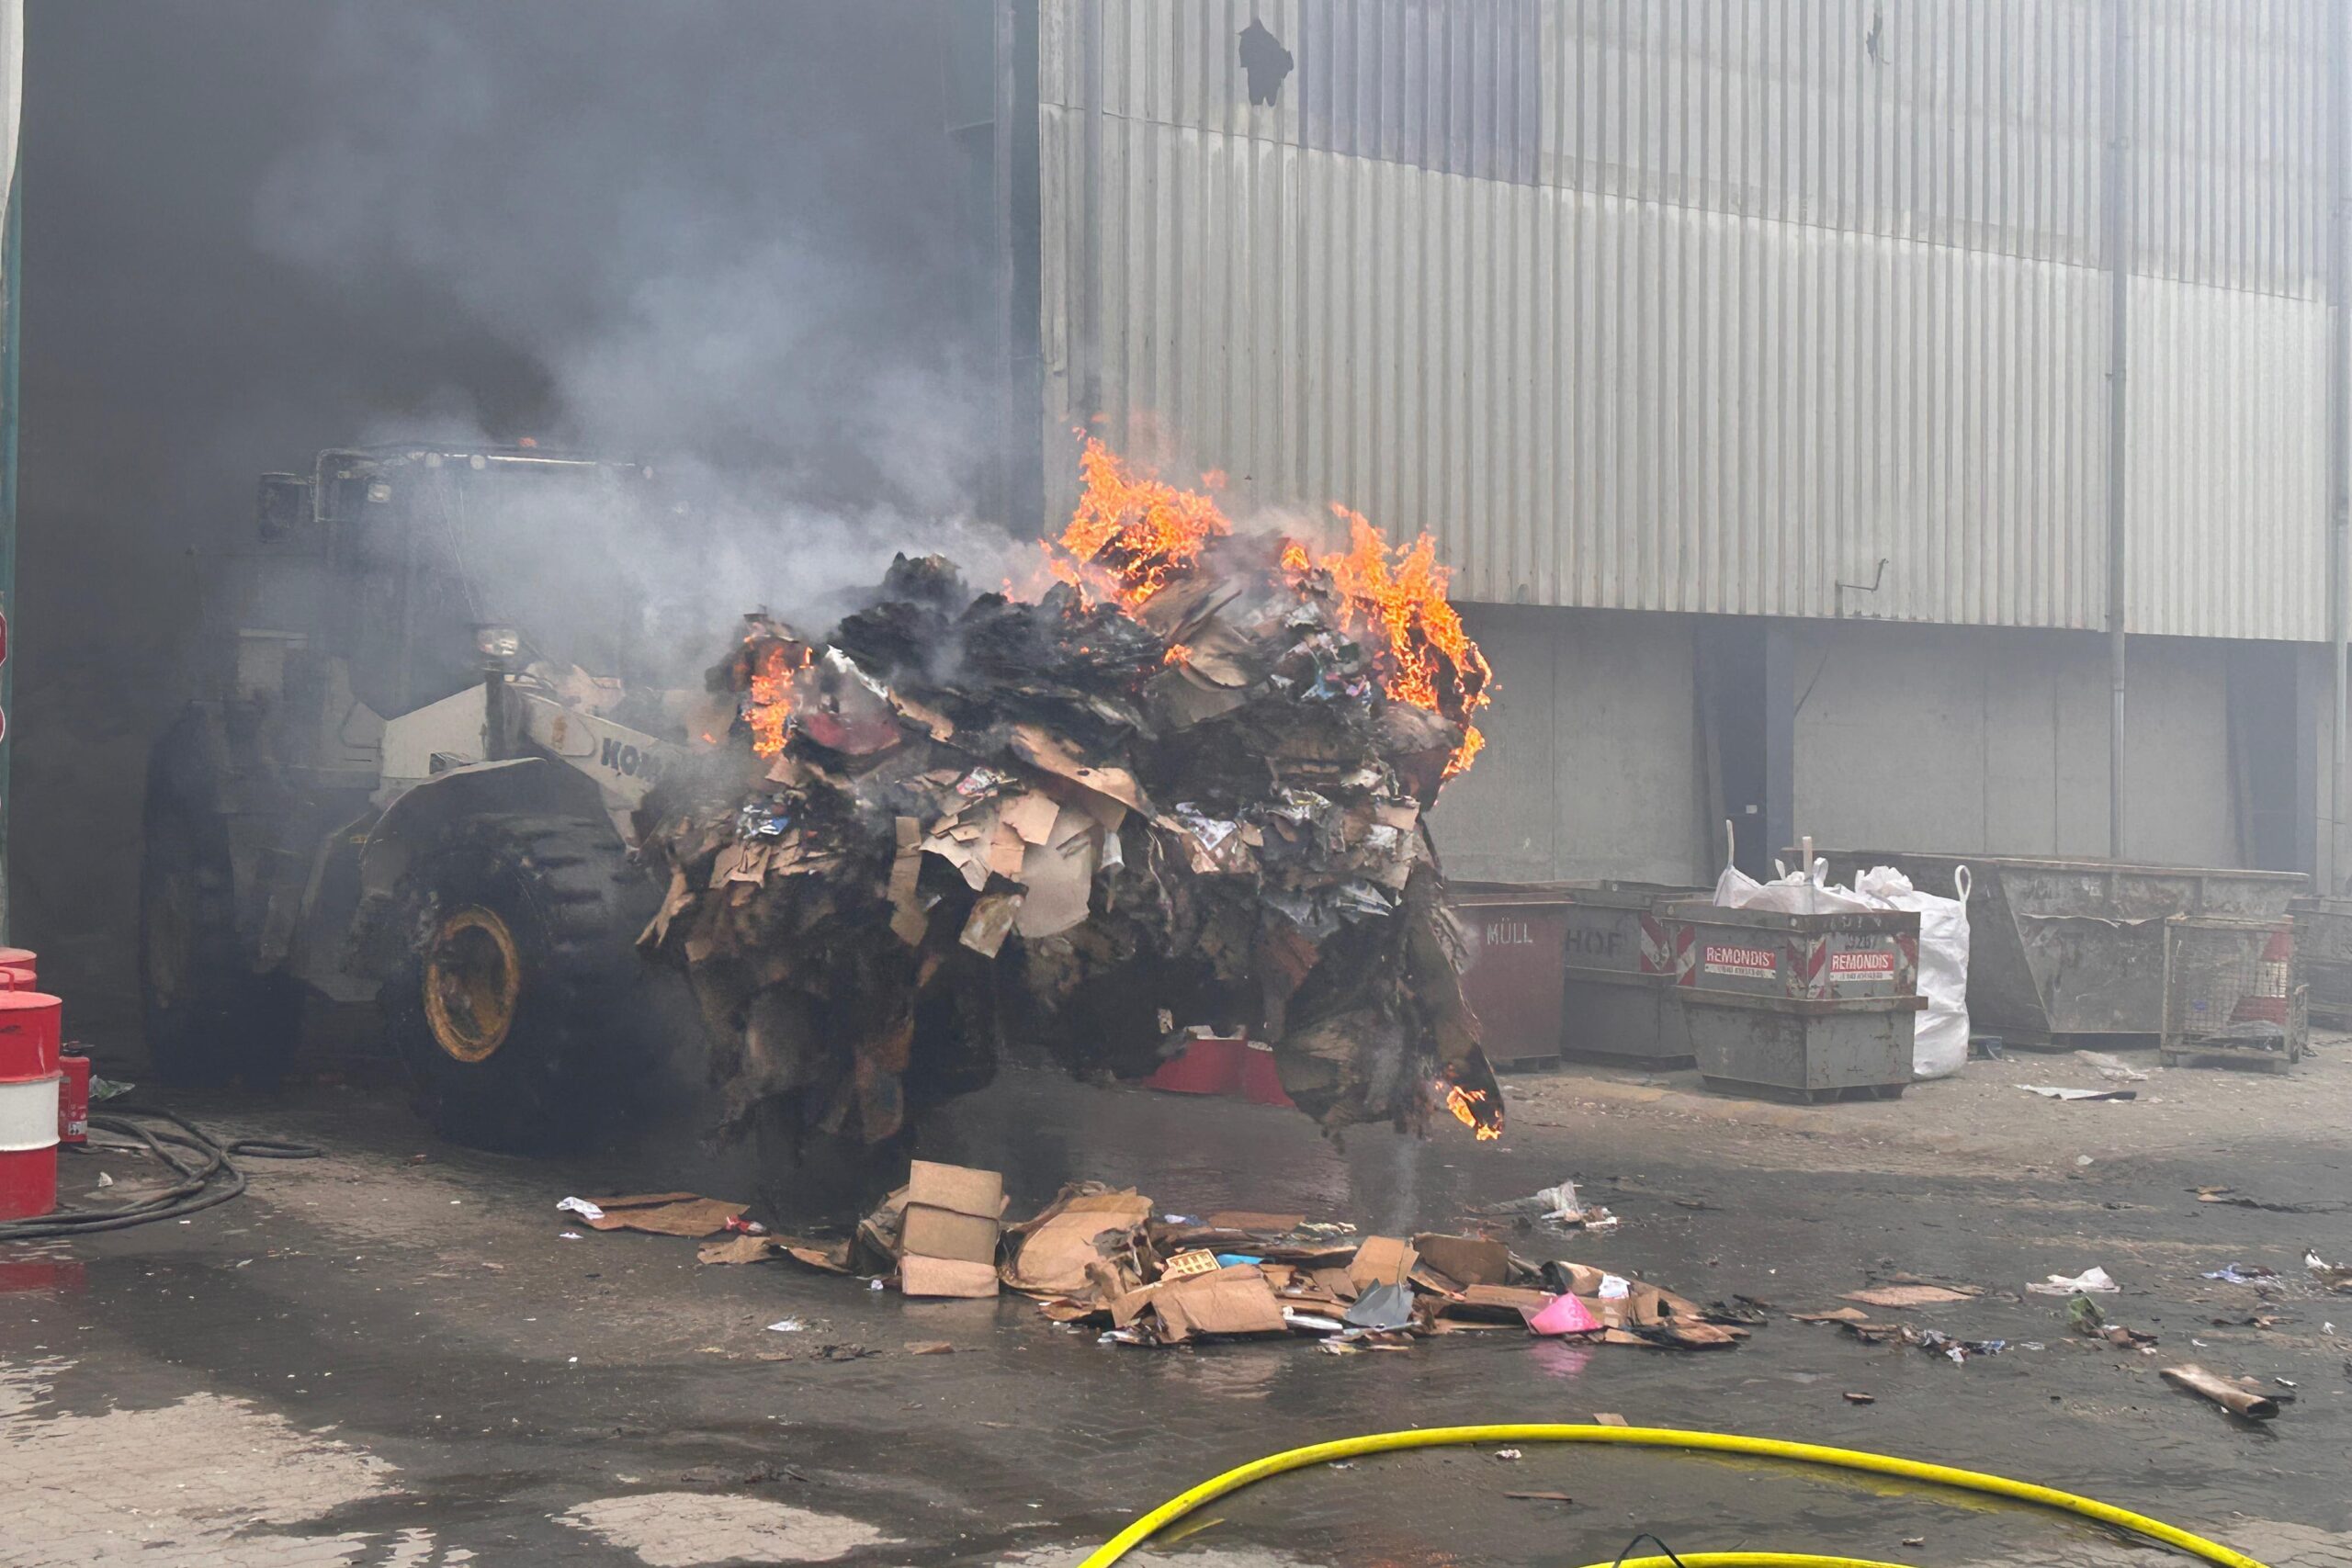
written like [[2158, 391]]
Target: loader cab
[[399, 553]]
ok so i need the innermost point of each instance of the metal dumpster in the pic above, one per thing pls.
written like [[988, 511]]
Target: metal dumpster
[[1516, 981], [2060, 950], [1621, 1005], [2324, 948], [2230, 991], [1804, 1007]]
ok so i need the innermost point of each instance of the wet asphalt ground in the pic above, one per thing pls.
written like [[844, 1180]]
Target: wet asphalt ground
[[377, 1358]]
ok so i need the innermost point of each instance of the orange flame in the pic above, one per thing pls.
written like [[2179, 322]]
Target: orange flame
[[1131, 534], [1399, 598], [1470, 1108], [769, 712]]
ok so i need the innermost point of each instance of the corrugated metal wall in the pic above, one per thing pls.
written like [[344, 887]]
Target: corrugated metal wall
[[1714, 305]]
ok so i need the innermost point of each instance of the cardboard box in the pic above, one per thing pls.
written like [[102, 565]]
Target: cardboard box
[[944, 1277], [943, 1233], [951, 1212], [955, 1188]]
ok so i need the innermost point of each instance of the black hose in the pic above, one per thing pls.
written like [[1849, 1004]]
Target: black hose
[[207, 1175]]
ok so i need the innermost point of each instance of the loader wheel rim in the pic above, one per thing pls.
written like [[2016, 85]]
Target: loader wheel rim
[[473, 981]]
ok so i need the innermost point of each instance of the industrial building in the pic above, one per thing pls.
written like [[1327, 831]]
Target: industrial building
[[1906, 423]]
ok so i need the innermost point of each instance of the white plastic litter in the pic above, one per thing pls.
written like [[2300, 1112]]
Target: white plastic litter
[[2092, 1281], [786, 1326], [2113, 1068], [1613, 1289], [581, 1207]]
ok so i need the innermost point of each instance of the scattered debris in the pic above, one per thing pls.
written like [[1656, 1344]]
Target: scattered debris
[[929, 1347], [579, 1206], [1507, 1453], [2253, 1274], [2335, 1277], [1853, 1398], [2083, 1316], [2049, 1092], [1609, 1418], [2115, 1069], [1561, 1207], [1186, 780], [1099, 1257], [2236, 1398], [786, 1326], [1539, 1497], [2091, 1281], [2231, 1196]]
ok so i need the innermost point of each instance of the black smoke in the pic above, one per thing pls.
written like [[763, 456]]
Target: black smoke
[[742, 236]]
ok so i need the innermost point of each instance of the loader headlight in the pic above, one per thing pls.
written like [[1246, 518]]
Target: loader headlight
[[501, 645]]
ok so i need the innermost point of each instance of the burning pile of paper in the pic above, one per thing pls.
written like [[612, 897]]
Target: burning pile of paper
[[1184, 785]]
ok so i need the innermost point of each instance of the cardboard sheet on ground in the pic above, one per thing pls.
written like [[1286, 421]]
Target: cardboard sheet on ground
[[1905, 1296], [1231, 1301], [664, 1214]]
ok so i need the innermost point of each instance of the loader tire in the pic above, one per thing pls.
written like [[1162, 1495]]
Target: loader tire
[[207, 1017], [520, 1010]]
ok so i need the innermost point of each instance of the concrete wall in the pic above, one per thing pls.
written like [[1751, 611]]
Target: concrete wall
[[1995, 742], [1907, 736], [1591, 764]]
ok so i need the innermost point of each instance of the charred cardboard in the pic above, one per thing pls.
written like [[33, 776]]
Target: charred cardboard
[[1466, 1259], [1055, 1248], [920, 1276]]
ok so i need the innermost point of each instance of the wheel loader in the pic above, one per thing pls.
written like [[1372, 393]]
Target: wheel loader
[[384, 792]]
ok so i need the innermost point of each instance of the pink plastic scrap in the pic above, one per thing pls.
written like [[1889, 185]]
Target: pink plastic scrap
[[1561, 1314]]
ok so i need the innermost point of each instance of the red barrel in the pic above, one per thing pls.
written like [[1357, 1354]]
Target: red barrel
[[73, 1100], [19, 970], [28, 1101], [30, 1031]]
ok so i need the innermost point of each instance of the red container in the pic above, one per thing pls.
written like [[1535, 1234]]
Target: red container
[[29, 1145], [22, 958], [73, 1100], [1261, 1084], [30, 1025], [1212, 1065]]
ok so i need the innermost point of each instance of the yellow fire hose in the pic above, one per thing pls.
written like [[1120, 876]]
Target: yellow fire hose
[[1176, 1507]]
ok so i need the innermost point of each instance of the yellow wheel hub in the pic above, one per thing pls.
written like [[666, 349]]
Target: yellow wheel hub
[[472, 982]]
